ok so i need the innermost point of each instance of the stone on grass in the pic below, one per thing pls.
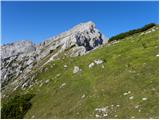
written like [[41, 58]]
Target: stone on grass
[[33, 116], [76, 69], [136, 107], [65, 66], [98, 61], [91, 65], [102, 66], [118, 105], [47, 81], [83, 96], [103, 109], [144, 99], [131, 97], [102, 112], [41, 85], [105, 115], [63, 84], [58, 75], [139, 110], [97, 116], [125, 94]]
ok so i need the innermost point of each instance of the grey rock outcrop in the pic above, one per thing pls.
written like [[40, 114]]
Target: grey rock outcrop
[[16, 48], [16, 57], [77, 41]]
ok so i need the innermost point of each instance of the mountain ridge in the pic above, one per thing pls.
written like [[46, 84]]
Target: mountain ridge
[[76, 41]]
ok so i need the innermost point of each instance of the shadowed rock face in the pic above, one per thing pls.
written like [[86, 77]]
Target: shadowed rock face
[[18, 58], [85, 39]]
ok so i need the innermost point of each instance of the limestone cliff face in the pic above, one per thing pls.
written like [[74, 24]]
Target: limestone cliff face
[[19, 58], [77, 41]]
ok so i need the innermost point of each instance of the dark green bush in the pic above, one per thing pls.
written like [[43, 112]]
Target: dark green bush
[[144, 45], [131, 32], [16, 107]]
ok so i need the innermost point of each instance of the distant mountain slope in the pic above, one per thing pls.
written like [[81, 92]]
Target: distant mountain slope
[[117, 80]]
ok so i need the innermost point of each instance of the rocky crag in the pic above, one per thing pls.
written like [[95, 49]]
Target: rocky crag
[[19, 58]]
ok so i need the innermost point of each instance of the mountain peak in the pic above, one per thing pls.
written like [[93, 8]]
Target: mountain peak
[[76, 41]]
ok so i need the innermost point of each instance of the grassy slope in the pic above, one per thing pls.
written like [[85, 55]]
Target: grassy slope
[[128, 67]]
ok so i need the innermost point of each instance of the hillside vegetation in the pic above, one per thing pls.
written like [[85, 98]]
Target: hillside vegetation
[[131, 32], [16, 107], [125, 85]]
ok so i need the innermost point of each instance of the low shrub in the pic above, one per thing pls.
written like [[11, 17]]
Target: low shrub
[[16, 107], [131, 32]]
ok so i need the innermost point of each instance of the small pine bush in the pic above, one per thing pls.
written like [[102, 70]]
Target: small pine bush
[[16, 107], [131, 32]]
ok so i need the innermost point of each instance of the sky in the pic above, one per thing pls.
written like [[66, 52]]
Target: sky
[[37, 21]]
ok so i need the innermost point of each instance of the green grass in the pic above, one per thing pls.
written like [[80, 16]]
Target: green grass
[[128, 66]]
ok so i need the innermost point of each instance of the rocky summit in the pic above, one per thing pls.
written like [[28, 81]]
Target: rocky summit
[[19, 57], [76, 41]]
